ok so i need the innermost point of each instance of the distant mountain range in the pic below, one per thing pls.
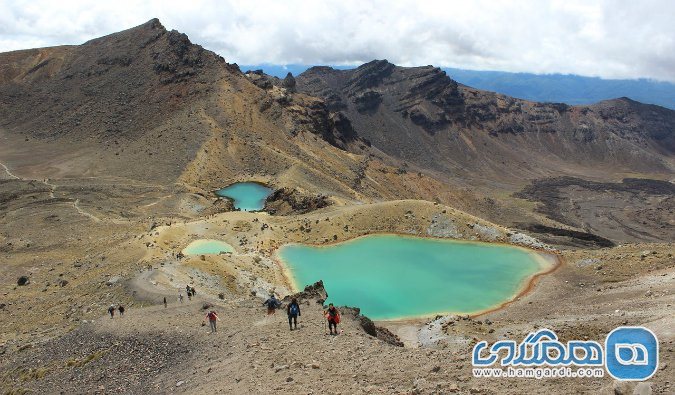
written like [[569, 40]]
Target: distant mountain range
[[562, 88]]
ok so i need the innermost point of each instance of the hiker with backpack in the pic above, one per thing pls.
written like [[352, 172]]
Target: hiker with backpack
[[111, 311], [212, 316], [333, 317], [121, 310], [293, 311], [272, 304]]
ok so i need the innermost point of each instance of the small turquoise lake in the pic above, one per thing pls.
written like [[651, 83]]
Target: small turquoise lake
[[398, 277], [207, 247], [247, 196]]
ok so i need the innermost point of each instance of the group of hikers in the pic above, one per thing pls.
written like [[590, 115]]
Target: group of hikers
[[332, 314], [189, 291], [111, 310]]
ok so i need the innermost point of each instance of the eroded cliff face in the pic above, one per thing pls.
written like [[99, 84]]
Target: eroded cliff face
[[421, 115], [306, 113]]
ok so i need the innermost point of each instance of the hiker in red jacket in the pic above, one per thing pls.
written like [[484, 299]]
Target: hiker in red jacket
[[212, 316], [333, 317]]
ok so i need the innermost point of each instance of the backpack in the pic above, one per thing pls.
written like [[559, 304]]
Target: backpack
[[294, 309]]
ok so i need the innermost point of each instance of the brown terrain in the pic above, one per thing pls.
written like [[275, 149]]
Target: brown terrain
[[109, 155]]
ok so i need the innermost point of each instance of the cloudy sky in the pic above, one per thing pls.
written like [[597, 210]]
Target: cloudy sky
[[610, 39]]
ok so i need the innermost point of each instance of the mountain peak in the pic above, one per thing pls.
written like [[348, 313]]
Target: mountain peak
[[376, 63], [153, 23], [145, 32]]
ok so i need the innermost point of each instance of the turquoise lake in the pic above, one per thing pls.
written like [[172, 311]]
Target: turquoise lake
[[207, 247], [397, 277], [247, 196]]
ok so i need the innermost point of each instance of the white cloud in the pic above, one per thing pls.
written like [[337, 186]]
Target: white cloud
[[611, 39]]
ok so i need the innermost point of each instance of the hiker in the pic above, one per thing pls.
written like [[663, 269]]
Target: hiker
[[194, 292], [272, 304], [187, 288], [293, 311], [212, 316], [189, 295], [180, 297], [333, 317], [121, 309], [111, 310], [165, 302]]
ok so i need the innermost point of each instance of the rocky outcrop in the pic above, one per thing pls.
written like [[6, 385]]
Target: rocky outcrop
[[219, 205], [289, 83], [314, 292], [182, 60], [369, 75], [368, 101], [369, 326], [578, 238], [287, 201], [260, 79], [308, 114]]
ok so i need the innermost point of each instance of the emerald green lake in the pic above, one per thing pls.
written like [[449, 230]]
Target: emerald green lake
[[247, 196], [206, 247], [395, 277]]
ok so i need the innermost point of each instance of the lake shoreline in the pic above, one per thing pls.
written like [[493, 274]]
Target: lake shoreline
[[546, 260], [243, 203]]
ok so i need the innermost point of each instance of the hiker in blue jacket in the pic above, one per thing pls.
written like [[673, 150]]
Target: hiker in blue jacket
[[293, 311]]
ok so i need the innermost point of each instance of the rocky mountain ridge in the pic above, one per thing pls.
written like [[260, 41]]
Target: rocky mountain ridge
[[422, 116]]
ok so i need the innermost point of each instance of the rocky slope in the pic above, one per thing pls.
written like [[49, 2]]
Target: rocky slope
[[422, 116], [118, 94]]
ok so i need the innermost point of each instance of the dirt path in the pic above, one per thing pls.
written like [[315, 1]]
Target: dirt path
[[76, 202], [9, 173], [86, 214]]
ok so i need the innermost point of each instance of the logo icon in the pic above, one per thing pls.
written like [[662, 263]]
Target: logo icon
[[631, 353]]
